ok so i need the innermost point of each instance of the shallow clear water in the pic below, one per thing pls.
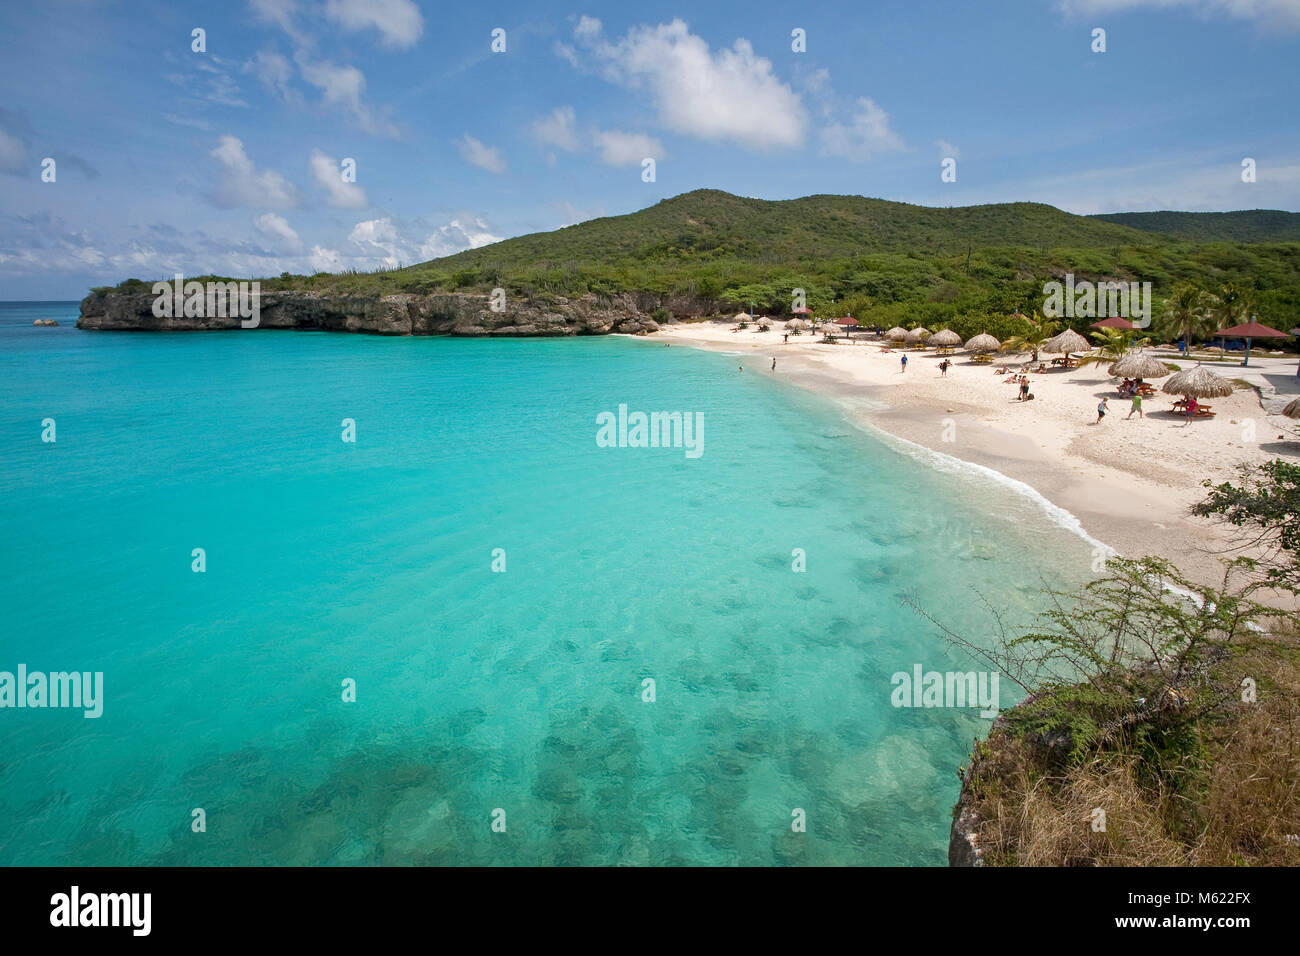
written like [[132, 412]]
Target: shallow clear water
[[475, 690]]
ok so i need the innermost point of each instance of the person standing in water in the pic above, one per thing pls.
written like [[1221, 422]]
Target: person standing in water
[[773, 363]]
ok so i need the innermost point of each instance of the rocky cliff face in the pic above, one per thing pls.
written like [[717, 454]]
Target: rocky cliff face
[[403, 314], [1046, 750]]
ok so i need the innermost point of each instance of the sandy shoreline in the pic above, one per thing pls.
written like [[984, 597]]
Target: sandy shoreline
[[1128, 482]]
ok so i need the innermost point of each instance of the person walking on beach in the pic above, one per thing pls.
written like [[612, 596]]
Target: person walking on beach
[[1137, 406], [1024, 388], [773, 363], [943, 368], [903, 360], [1101, 411]]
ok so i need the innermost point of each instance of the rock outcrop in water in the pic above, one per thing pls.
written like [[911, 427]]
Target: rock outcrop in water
[[400, 314]]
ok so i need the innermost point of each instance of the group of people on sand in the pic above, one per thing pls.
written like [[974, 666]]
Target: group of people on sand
[[1021, 379], [1103, 407], [1129, 388]]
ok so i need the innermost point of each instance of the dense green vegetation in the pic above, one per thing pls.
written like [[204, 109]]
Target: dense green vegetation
[[884, 262], [1246, 225], [1266, 504]]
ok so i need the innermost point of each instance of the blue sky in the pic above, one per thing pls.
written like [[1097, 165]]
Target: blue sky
[[228, 160]]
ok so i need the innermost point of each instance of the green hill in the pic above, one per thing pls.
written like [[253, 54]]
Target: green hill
[[1246, 225], [884, 262], [710, 224]]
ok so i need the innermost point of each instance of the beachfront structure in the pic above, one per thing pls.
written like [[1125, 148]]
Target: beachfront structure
[[1140, 364], [1066, 342], [1251, 330], [1198, 382], [983, 343]]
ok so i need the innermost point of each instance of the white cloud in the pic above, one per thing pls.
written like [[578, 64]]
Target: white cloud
[[457, 236], [329, 176], [274, 71], [947, 150], [325, 260], [242, 184], [484, 157], [728, 95], [374, 231], [865, 133], [380, 236], [627, 149], [387, 242], [279, 12], [559, 128], [344, 86], [398, 21], [43, 245], [1273, 13], [277, 227]]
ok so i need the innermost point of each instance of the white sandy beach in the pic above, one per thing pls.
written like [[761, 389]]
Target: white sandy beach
[[1129, 482]]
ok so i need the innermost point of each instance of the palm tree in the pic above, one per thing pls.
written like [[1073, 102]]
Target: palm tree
[[1112, 345], [1040, 330], [1229, 307], [1186, 313]]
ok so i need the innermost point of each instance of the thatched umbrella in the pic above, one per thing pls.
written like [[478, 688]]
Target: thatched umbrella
[[1198, 382], [897, 333], [983, 343], [741, 317], [796, 324], [1292, 409], [945, 339], [1140, 364], [918, 335], [1066, 342]]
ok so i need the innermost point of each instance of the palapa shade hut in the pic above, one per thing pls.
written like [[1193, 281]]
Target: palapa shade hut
[[983, 343], [1197, 382], [1251, 330], [1067, 342], [947, 338], [896, 334], [918, 335], [1140, 364], [1292, 409], [796, 324]]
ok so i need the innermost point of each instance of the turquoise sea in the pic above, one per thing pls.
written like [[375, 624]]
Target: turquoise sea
[[476, 690]]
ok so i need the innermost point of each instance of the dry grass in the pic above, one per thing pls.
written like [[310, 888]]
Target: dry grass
[[1233, 800]]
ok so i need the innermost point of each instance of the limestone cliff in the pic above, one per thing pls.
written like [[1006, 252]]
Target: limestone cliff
[[401, 314]]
